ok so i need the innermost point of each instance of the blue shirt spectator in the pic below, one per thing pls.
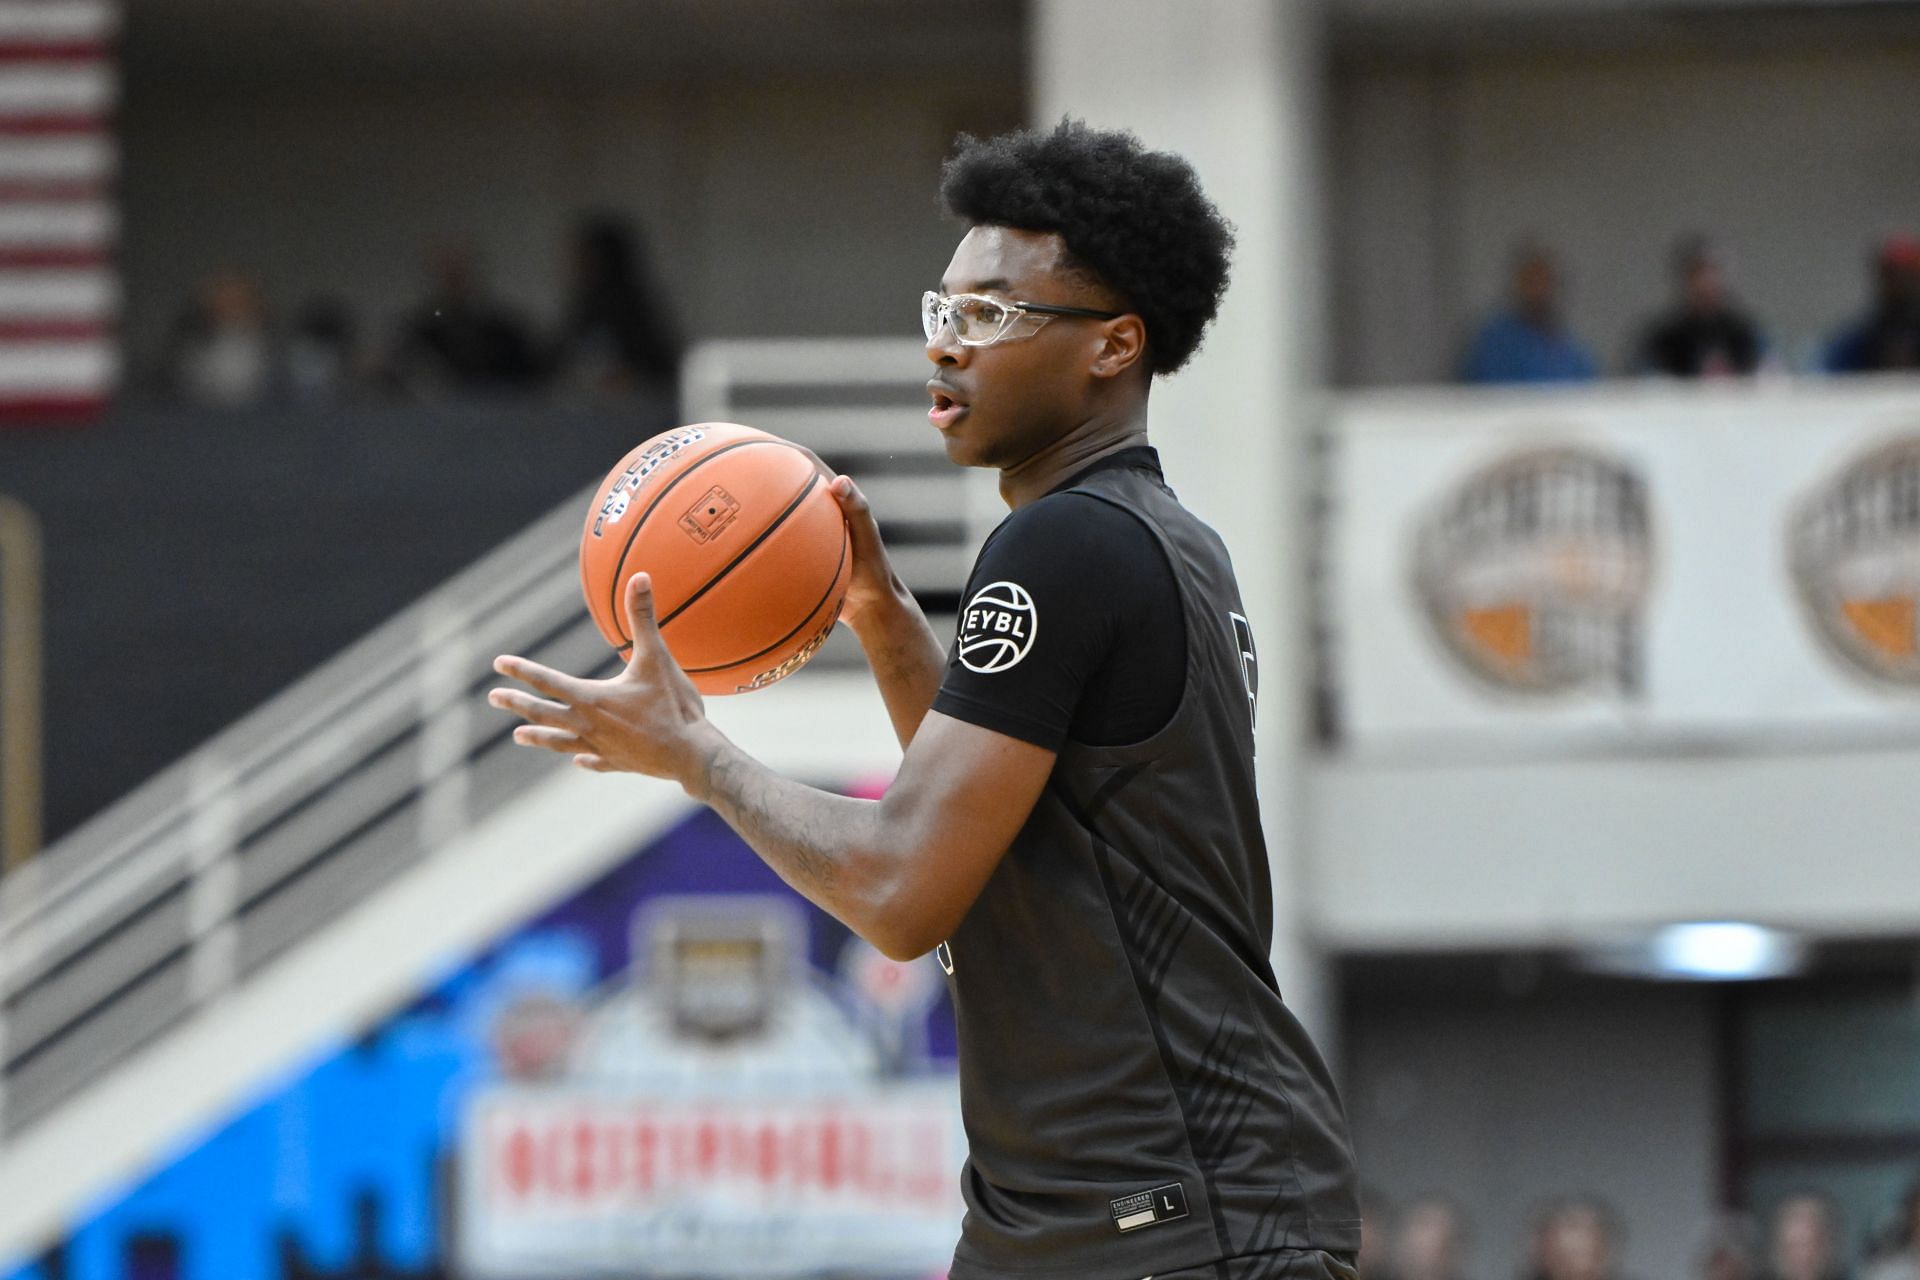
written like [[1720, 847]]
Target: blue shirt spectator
[[1529, 342], [1888, 337]]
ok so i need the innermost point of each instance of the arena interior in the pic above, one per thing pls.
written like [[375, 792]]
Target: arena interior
[[1563, 419]]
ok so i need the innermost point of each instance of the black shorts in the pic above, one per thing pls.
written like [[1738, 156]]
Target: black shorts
[[1281, 1264]]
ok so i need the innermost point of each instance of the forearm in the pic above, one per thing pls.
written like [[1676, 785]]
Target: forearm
[[830, 848], [906, 658]]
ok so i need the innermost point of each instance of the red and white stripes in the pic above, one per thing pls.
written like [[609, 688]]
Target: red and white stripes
[[59, 290]]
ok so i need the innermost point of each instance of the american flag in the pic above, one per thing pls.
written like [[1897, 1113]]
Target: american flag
[[59, 291]]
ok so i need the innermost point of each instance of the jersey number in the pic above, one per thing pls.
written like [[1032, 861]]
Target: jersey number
[[1249, 665]]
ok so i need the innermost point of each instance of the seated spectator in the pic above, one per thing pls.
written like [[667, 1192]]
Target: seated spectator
[[1431, 1242], [1373, 1261], [1529, 342], [1576, 1239], [617, 334], [1727, 1250], [322, 354], [1889, 336], [1803, 1240], [461, 340], [1706, 334], [222, 352], [1898, 1257]]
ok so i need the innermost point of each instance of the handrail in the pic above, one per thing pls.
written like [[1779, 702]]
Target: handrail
[[190, 885], [21, 629]]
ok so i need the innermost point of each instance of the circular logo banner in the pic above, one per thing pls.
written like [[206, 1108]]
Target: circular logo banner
[[1534, 571], [1853, 547]]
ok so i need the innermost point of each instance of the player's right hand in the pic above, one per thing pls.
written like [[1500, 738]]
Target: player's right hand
[[874, 586], [647, 719]]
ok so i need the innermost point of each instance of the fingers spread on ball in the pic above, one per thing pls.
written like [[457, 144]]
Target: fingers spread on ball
[[851, 500], [640, 620], [555, 684], [531, 709], [563, 740]]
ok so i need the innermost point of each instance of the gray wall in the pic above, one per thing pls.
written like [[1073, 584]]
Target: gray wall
[[1500, 1102], [1797, 159]]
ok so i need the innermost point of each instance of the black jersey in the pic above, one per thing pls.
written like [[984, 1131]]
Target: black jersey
[[1110, 667], [1137, 1098]]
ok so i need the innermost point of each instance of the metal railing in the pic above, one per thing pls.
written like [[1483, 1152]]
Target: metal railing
[[194, 882], [21, 629]]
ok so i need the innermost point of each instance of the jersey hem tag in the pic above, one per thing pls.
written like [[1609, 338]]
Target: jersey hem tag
[[1144, 1208]]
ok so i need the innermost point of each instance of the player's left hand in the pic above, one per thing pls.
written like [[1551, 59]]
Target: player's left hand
[[648, 719]]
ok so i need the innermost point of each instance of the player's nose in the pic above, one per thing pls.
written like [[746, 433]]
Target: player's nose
[[944, 347]]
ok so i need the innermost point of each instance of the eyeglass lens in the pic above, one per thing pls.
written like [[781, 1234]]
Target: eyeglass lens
[[975, 320]]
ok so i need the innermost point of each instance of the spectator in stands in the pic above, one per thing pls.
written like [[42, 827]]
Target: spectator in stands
[[1727, 1250], [223, 352], [1431, 1242], [618, 333], [1803, 1240], [322, 354], [1374, 1261], [1889, 336], [1530, 341], [1706, 334], [1576, 1239], [461, 340], [1898, 1257]]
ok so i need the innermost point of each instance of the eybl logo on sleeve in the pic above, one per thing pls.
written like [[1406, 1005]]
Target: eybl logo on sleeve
[[997, 627]]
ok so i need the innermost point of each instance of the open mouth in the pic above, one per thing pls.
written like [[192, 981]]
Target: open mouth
[[946, 410]]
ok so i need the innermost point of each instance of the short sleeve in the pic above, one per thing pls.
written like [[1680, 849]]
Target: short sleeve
[[1048, 597]]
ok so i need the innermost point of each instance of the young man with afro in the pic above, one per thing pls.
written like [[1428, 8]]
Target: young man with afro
[[1073, 828]]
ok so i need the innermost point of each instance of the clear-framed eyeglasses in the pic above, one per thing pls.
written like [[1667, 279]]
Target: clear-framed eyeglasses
[[980, 321]]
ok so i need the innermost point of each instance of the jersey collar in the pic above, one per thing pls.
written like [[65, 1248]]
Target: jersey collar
[[1143, 456]]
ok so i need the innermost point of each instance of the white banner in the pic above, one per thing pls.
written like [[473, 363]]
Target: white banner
[[1647, 564], [568, 1182]]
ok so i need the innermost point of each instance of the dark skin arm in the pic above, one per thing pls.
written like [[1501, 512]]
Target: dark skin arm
[[900, 871]]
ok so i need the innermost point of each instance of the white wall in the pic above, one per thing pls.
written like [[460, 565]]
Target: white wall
[[1502, 1102], [1454, 9], [1797, 161], [1559, 852], [764, 195]]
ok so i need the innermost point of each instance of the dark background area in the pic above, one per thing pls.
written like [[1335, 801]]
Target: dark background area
[[197, 562]]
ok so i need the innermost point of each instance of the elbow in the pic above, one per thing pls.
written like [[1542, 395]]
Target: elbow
[[904, 925], [900, 947], [902, 938]]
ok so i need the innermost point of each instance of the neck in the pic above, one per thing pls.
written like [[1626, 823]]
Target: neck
[[1099, 436]]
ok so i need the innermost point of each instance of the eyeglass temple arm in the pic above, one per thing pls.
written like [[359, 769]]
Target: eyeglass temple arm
[[1046, 308]]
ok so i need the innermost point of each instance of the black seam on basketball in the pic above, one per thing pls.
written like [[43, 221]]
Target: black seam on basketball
[[619, 584], [813, 478], [844, 544]]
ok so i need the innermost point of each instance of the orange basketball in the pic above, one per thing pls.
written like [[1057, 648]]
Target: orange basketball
[[747, 548]]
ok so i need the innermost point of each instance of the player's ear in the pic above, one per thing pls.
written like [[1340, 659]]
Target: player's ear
[[1123, 345]]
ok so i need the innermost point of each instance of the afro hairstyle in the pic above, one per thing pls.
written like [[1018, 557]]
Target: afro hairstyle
[[1135, 220]]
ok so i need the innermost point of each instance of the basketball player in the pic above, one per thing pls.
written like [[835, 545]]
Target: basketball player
[[1073, 827]]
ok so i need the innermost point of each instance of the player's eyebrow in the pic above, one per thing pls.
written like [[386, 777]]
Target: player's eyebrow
[[979, 286]]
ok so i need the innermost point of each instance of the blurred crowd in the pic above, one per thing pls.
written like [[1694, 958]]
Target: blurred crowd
[[1581, 1238], [1705, 331], [615, 336]]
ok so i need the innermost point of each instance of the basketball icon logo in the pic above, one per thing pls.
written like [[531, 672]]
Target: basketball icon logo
[[1854, 548], [997, 627], [1535, 571]]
